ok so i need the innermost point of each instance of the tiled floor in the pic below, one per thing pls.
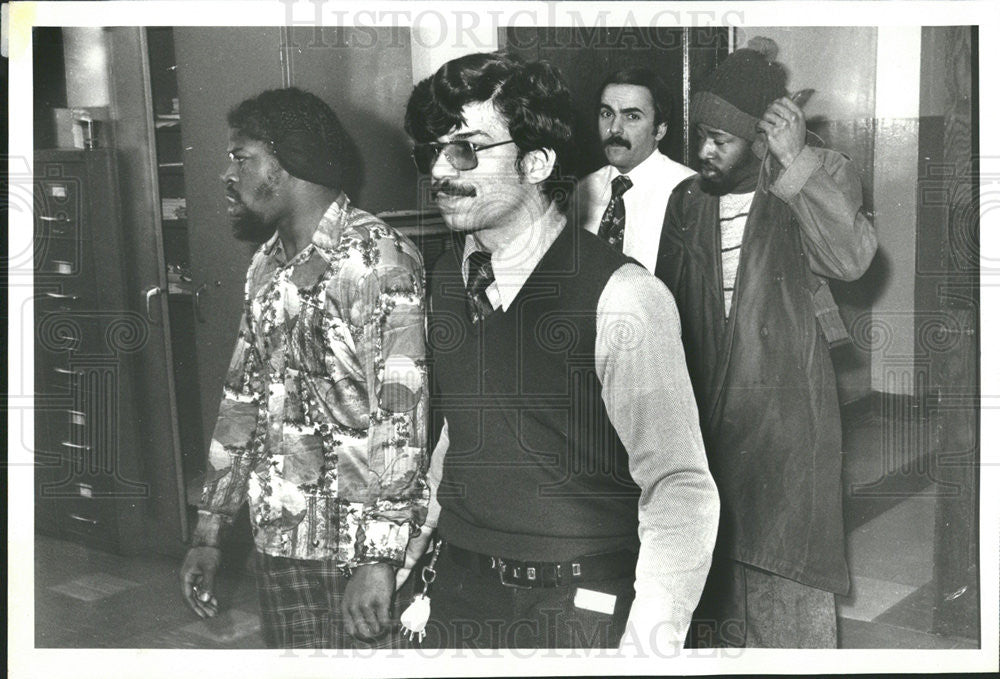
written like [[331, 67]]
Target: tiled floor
[[891, 574], [889, 516], [86, 598], [90, 599]]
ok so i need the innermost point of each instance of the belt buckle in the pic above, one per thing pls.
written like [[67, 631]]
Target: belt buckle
[[500, 569]]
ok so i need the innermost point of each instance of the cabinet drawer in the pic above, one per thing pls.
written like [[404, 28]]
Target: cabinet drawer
[[51, 473], [71, 473], [54, 379], [59, 202], [69, 497], [56, 299], [62, 335], [50, 429], [58, 225], [91, 520], [67, 263]]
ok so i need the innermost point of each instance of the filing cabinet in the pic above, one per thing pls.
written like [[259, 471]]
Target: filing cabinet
[[88, 480]]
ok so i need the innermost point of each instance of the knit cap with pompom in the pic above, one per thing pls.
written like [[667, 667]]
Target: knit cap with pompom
[[736, 94]]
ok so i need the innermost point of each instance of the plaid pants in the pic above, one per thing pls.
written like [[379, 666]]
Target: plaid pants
[[300, 605]]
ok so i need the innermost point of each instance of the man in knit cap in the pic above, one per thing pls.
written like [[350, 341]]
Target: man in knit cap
[[322, 421], [744, 248]]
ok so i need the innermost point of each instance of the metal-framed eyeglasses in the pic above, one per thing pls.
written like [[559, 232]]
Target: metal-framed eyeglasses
[[461, 154]]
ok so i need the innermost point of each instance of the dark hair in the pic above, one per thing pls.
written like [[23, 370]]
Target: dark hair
[[643, 77], [531, 97], [300, 129]]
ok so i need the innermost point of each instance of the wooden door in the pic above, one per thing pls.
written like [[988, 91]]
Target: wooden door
[[217, 68], [149, 408]]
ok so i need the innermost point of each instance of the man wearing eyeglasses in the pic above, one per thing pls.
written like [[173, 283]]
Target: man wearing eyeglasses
[[321, 427], [574, 502], [624, 202]]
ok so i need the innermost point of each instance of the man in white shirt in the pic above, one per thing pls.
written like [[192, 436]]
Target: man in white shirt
[[624, 202]]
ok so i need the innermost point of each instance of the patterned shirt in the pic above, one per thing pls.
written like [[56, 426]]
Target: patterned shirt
[[323, 415]]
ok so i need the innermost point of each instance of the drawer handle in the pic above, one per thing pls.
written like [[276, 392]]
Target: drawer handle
[[150, 294], [84, 519], [67, 371], [59, 295], [61, 220], [75, 446]]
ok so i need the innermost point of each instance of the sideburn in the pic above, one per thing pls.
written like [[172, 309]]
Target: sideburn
[[268, 188]]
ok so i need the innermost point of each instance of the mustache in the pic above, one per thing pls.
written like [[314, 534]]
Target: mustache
[[452, 189], [615, 140]]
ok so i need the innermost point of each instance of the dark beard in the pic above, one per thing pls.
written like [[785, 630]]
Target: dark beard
[[249, 227], [742, 174], [719, 187]]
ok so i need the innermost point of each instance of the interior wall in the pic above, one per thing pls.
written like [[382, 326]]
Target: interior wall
[[430, 46], [897, 111], [86, 55], [838, 62], [366, 77]]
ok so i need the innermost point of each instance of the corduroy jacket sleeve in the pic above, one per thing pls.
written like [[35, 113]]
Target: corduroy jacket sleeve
[[823, 191]]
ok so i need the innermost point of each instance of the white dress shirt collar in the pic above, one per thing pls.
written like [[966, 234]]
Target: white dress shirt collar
[[514, 262], [644, 171]]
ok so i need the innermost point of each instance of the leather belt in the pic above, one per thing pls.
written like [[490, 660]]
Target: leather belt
[[529, 574]]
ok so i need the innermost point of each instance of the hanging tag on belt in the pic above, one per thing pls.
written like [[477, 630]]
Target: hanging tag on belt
[[414, 618]]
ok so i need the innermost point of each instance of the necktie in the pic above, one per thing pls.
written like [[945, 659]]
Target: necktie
[[480, 278], [612, 228]]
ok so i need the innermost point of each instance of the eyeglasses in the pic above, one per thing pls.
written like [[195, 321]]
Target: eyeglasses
[[461, 154]]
